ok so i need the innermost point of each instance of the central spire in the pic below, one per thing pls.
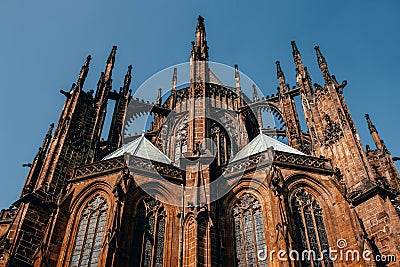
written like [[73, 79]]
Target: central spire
[[200, 48]]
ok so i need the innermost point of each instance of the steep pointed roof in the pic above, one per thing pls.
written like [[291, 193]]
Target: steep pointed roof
[[142, 148], [261, 143]]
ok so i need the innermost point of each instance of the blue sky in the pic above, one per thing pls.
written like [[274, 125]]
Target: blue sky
[[44, 44]]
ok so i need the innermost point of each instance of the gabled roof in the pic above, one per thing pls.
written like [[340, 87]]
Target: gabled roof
[[261, 143], [142, 148]]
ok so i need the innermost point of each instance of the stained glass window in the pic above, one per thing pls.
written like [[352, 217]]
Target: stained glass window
[[90, 233], [310, 229], [148, 241], [249, 232]]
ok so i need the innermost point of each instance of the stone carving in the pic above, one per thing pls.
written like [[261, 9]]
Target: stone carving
[[198, 90], [333, 132]]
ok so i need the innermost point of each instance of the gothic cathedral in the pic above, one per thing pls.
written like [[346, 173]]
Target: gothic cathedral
[[206, 184]]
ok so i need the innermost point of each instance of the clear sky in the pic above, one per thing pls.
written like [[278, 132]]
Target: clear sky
[[44, 44]]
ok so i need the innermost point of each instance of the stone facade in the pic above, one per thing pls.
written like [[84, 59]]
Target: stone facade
[[79, 209]]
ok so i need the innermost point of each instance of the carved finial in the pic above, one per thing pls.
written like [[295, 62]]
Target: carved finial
[[50, 129], [47, 139], [237, 78], [279, 71], [127, 81], [174, 79], [159, 97], [295, 51], [110, 63], [84, 72], [283, 87], [371, 126], [256, 98], [323, 65], [200, 48]]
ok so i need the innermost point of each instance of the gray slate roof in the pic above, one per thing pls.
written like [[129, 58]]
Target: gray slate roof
[[143, 148], [261, 143]]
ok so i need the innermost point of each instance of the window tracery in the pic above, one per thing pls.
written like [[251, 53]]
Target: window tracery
[[310, 228], [249, 232], [89, 236], [221, 147], [149, 233]]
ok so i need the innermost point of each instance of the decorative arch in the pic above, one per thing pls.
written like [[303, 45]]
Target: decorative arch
[[309, 227], [90, 232], [149, 233], [248, 231], [97, 187]]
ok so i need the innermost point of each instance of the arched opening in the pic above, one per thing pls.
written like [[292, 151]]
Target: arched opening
[[310, 231], [90, 233], [249, 235]]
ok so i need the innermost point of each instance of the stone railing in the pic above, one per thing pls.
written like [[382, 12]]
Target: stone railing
[[302, 161], [157, 168], [99, 167]]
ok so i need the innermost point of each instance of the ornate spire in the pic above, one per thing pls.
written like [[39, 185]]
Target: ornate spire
[[200, 48], [256, 98], [159, 97], [174, 80], [83, 73], [371, 126], [375, 136], [110, 63], [47, 139], [127, 81], [301, 71], [237, 78], [281, 77], [323, 65], [104, 83], [296, 53]]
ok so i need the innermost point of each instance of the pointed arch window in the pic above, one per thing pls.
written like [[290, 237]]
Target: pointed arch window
[[222, 145], [310, 229], [249, 232], [148, 240], [90, 233]]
